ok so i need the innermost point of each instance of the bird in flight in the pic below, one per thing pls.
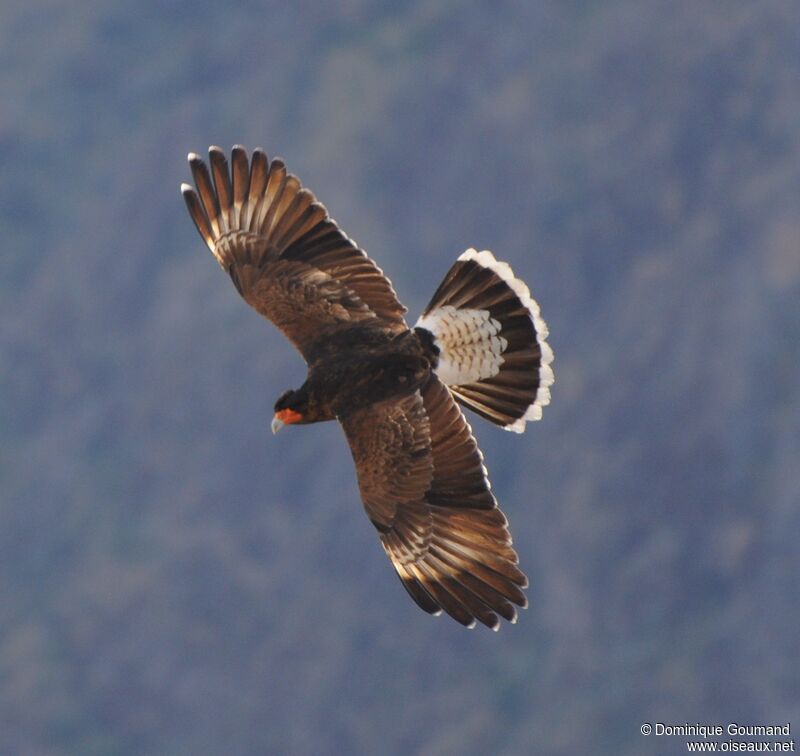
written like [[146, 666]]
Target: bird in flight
[[480, 342]]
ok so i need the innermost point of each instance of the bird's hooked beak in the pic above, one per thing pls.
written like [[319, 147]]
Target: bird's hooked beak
[[285, 417]]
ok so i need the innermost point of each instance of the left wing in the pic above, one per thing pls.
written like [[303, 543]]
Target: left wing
[[425, 489], [285, 255]]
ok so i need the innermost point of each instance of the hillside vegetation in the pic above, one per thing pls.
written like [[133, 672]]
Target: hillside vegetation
[[174, 580]]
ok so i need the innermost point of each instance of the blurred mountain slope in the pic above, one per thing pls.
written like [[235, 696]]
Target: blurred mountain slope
[[175, 580]]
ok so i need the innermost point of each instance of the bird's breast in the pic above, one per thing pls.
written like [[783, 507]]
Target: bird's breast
[[356, 379]]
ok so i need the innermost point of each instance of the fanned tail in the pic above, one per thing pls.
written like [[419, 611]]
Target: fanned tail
[[493, 353]]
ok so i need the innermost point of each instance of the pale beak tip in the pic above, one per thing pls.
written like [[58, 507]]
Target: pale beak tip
[[277, 424]]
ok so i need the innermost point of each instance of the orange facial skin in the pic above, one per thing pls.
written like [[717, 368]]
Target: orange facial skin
[[285, 417], [288, 416]]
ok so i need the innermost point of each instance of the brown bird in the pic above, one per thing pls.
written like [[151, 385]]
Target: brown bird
[[480, 341]]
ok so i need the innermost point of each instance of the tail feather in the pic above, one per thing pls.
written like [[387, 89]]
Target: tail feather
[[493, 353]]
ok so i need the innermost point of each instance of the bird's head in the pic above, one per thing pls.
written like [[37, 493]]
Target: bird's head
[[292, 408]]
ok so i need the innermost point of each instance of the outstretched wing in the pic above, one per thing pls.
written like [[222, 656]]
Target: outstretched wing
[[286, 256], [425, 489]]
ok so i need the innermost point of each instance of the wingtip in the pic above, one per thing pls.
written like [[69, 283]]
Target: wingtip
[[186, 189], [193, 157]]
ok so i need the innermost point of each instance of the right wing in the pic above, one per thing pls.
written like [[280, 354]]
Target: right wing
[[285, 255], [425, 489]]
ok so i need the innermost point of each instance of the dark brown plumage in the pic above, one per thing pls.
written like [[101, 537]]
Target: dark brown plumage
[[481, 340]]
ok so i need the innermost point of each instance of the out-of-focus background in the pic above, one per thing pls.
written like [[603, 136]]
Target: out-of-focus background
[[174, 580]]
